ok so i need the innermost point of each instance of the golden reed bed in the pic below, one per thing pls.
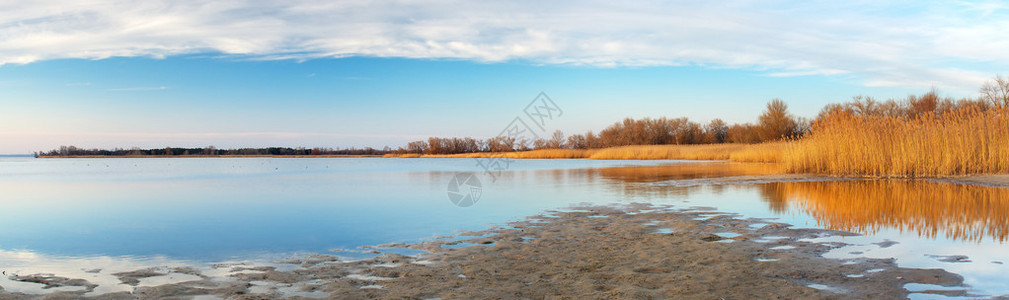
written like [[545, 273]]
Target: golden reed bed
[[767, 152], [966, 141], [960, 142]]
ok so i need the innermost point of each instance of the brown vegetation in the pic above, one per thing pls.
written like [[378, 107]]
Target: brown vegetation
[[920, 136], [691, 152], [774, 124]]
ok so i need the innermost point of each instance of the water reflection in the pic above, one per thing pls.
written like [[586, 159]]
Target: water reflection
[[930, 209], [75, 215], [685, 171], [645, 182]]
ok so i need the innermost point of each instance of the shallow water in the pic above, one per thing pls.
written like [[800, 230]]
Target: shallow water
[[67, 216]]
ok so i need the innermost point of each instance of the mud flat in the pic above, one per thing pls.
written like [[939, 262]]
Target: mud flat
[[632, 251]]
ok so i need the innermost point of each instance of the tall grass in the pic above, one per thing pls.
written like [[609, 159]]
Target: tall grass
[[689, 152], [764, 152], [964, 141], [533, 154]]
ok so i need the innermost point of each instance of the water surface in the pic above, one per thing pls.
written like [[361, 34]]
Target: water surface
[[67, 216]]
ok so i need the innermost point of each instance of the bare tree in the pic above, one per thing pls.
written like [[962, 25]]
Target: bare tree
[[540, 144], [775, 122], [717, 131], [996, 91], [592, 141], [556, 140], [416, 147], [577, 141]]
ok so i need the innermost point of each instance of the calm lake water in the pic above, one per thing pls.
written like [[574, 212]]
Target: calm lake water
[[67, 216]]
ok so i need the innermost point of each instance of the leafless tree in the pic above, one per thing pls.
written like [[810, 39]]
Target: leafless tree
[[577, 141], [775, 122], [556, 140], [717, 131], [996, 91]]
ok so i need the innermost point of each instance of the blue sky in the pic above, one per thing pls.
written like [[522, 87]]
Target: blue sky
[[315, 73]]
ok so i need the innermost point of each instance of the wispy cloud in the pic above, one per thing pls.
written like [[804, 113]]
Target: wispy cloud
[[956, 44], [138, 89]]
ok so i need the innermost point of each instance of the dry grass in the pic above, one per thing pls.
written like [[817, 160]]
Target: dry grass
[[764, 152], [767, 152], [688, 152], [403, 155], [957, 211], [960, 142], [534, 154]]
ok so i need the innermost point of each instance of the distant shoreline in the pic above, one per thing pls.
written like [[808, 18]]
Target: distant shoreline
[[991, 180]]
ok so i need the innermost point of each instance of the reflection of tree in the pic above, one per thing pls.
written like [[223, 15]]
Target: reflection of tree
[[961, 212], [931, 209], [775, 197]]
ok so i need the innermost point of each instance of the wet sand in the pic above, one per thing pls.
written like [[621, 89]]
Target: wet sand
[[632, 252]]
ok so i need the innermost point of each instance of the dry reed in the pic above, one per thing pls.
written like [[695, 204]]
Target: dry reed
[[958, 142], [533, 154], [764, 153], [688, 152]]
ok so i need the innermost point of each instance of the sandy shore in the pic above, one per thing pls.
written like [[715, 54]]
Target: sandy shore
[[632, 252]]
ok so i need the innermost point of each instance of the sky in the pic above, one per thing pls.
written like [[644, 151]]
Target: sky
[[151, 74]]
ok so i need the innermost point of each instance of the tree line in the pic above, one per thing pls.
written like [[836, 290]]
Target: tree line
[[210, 151], [773, 124]]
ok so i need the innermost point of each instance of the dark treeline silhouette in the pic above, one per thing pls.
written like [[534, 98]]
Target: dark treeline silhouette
[[774, 123], [209, 151]]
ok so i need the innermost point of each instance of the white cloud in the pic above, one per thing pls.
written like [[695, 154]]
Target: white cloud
[[895, 44]]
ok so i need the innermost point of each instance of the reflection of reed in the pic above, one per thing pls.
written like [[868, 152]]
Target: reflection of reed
[[961, 212], [628, 180], [687, 171]]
